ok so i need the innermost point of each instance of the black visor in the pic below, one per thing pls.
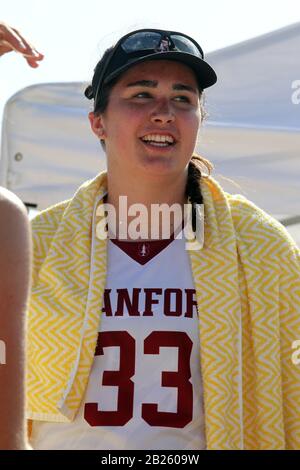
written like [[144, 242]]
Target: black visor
[[153, 44]]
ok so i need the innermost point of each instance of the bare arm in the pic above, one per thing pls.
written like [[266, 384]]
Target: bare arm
[[15, 253]]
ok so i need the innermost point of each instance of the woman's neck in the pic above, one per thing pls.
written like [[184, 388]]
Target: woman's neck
[[151, 209]]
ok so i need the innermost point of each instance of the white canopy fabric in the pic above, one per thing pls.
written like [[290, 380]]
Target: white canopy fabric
[[48, 149], [252, 135]]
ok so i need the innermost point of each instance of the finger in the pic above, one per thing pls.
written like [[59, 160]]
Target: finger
[[33, 55], [31, 59], [32, 62], [11, 37], [5, 47], [29, 50]]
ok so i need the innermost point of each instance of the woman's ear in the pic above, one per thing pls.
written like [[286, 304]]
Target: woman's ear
[[97, 125]]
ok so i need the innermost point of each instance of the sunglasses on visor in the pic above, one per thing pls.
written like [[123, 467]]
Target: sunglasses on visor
[[138, 44], [159, 41]]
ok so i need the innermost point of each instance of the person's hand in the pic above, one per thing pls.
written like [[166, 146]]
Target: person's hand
[[11, 40]]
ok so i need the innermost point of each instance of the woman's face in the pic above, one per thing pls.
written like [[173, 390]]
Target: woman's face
[[151, 122]]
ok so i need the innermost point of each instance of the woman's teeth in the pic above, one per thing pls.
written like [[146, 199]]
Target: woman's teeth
[[158, 140], [158, 144]]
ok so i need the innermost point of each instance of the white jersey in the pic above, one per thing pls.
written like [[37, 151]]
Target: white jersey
[[145, 389]]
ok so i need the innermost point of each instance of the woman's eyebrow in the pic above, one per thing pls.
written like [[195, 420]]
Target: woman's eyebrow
[[147, 83], [154, 83], [181, 86]]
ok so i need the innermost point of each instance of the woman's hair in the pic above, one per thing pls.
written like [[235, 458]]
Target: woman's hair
[[196, 164]]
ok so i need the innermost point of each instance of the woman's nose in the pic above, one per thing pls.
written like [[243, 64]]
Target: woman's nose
[[163, 112]]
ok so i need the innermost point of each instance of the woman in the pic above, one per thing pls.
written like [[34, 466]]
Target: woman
[[143, 335]]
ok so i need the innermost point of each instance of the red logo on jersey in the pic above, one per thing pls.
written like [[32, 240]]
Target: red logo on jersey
[[144, 249]]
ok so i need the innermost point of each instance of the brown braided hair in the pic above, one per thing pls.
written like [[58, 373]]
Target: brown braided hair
[[192, 189]]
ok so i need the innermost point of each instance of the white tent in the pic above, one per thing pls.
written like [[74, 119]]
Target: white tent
[[254, 132], [48, 149], [252, 135]]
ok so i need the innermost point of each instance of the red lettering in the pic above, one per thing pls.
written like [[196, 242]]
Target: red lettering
[[149, 301], [178, 303], [131, 303], [106, 303], [179, 379], [191, 302], [121, 378], [132, 306]]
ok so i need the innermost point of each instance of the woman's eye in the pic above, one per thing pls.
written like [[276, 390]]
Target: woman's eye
[[182, 98], [142, 94]]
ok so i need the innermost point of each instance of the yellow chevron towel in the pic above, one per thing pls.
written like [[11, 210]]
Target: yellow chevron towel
[[248, 293]]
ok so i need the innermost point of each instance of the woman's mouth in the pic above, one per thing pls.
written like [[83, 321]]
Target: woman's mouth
[[157, 140]]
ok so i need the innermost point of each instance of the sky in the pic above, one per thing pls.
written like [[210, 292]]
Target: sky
[[72, 34]]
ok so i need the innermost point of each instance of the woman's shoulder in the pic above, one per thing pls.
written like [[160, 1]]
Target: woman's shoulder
[[43, 227], [14, 243], [11, 205], [254, 224], [14, 220], [48, 219], [45, 224]]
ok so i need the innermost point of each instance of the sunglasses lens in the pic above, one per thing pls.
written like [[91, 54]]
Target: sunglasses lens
[[151, 40], [185, 45], [141, 41]]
